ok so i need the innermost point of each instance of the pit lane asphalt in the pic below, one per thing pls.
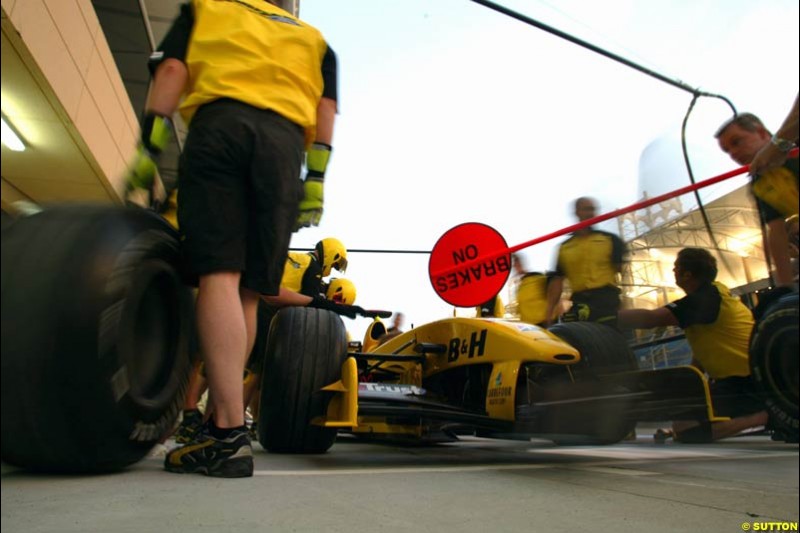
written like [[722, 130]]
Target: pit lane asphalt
[[475, 484]]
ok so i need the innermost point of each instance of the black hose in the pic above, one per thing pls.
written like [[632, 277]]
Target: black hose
[[696, 93], [700, 206]]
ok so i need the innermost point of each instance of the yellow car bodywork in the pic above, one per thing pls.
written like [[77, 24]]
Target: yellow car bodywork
[[410, 360]]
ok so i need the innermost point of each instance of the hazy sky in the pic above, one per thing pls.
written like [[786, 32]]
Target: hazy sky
[[451, 112]]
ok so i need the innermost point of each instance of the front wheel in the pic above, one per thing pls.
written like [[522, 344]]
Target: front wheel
[[305, 352]]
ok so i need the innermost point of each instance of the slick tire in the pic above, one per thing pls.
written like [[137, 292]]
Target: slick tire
[[603, 350], [305, 352], [96, 324], [774, 364]]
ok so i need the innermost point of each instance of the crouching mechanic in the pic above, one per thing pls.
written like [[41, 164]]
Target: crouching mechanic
[[717, 327]]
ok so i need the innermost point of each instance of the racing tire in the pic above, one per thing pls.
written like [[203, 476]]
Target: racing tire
[[96, 328], [603, 350], [305, 352], [774, 365]]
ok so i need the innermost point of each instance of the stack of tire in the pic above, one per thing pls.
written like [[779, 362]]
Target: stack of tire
[[96, 330]]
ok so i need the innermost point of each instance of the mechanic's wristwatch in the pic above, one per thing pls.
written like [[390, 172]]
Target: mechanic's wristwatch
[[782, 144]]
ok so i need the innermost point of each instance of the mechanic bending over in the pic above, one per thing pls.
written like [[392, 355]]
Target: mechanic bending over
[[257, 87], [591, 261], [302, 285], [774, 183], [773, 154], [718, 328], [339, 296]]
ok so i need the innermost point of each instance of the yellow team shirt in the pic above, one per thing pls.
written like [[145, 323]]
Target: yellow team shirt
[[778, 188], [532, 298], [256, 53], [721, 347], [296, 265], [590, 261]]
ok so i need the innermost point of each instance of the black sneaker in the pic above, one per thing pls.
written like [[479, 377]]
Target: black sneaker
[[253, 431], [231, 457], [190, 425]]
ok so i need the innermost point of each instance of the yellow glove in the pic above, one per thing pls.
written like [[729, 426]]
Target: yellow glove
[[313, 187], [311, 204], [142, 171], [156, 133]]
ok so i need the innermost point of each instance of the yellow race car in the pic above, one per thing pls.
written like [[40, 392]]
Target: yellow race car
[[98, 336], [576, 383]]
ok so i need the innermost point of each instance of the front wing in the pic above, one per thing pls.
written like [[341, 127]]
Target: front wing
[[679, 393]]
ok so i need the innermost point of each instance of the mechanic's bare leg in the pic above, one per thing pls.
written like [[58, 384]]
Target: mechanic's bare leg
[[727, 428], [255, 400], [734, 426], [679, 426], [252, 401], [226, 321], [197, 386], [192, 418], [251, 388]]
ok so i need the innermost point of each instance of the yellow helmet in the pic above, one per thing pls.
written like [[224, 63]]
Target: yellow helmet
[[341, 291], [332, 253]]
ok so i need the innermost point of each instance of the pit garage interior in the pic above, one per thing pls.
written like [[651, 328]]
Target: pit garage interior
[[74, 82], [74, 79]]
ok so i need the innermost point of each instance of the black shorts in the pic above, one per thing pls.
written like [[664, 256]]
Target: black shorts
[[238, 192], [734, 396], [594, 305]]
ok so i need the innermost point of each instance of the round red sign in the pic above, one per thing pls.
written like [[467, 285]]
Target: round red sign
[[469, 264]]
